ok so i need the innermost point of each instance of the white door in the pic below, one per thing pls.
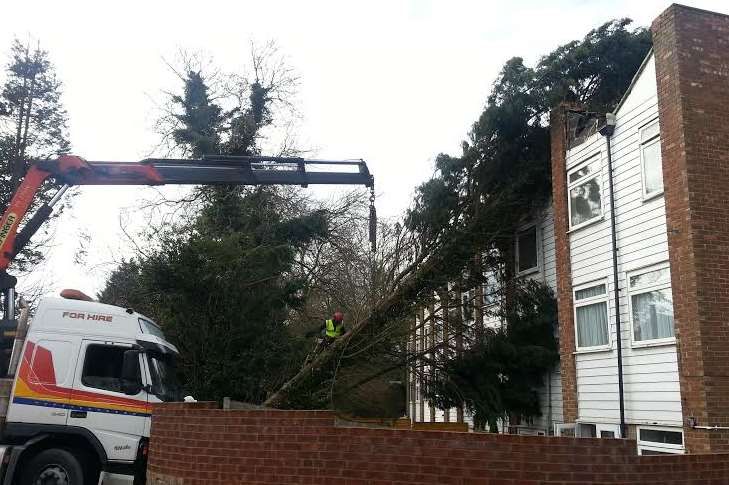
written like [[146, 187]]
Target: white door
[[99, 404]]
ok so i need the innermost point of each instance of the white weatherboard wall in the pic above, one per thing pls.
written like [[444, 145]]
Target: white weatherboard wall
[[550, 394], [652, 393]]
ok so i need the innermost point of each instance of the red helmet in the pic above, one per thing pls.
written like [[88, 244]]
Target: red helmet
[[338, 316]]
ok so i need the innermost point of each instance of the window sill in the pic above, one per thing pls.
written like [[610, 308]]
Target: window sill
[[653, 343], [647, 198], [592, 350], [587, 224], [528, 272]]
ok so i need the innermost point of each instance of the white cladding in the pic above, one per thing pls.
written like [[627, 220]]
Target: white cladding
[[550, 394], [652, 393]]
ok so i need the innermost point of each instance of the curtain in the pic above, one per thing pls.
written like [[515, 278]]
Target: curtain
[[652, 315], [592, 325]]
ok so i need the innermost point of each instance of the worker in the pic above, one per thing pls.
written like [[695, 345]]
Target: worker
[[331, 330], [334, 327]]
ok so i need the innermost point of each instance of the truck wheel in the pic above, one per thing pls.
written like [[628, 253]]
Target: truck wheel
[[53, 467]]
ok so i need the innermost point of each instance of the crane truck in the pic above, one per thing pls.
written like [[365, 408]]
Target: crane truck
[[75, 402]]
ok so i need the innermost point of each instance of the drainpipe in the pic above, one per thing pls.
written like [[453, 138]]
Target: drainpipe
[[607, 131]]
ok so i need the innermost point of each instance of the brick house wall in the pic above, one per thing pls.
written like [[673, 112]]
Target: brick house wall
[[692, 70], [558, 135], [195, 444]]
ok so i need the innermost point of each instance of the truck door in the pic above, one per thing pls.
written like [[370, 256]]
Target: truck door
[[99, 403]]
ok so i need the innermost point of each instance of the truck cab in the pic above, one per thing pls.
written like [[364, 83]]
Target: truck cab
[[79, 411]]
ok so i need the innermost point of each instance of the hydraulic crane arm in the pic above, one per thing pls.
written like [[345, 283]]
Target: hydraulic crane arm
[[217, 170]]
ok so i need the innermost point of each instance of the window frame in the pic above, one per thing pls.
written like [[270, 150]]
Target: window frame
[[595, 157], [642, 144], [660, 447], [492, 276], [122, 346], [630, 292], [560, 428], [468, 307], [591, 301], [599, 429], [538, 239]]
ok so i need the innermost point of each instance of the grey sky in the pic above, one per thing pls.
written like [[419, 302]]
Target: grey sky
[[393, 82]]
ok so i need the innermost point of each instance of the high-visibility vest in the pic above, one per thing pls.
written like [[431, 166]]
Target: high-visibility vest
[[332, 330]]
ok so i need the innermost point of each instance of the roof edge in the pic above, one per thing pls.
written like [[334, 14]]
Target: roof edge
[[640, 70]]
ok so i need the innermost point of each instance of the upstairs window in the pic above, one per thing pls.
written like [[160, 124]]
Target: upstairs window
[[527, 254], [591, 317], [650, 156], [651, 303], [584, 184]]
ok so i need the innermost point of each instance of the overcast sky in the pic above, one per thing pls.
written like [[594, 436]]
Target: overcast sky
[[392, 82]]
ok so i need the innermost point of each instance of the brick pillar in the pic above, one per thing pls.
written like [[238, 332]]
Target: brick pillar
[[558, 133], [692, 73]]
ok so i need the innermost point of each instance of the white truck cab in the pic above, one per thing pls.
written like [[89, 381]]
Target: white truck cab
[[80, 406]]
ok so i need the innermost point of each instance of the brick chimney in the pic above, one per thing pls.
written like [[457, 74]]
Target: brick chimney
[[692, 70], [559, 142]]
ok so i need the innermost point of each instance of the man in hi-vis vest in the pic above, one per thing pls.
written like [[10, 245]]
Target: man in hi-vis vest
[[333, 328]]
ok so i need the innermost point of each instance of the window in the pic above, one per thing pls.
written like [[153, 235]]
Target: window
[[650, 156], [591, 319], [491, 287], [103, 367], [164, 377], [585, 192], [561, 429], [527, 254], [588, 431], [651, 305], [148, 326], [660, 441], [467, 302], [598, 430]]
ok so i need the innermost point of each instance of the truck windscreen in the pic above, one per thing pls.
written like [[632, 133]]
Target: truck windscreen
[[148, 326], [164, 377]]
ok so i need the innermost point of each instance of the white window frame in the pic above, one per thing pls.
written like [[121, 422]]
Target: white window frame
[[646, 289], [469, 304], [655, 139], [589, 301], [560, 428], [490, 277], [613, 428], [595, 157], [599, 428], [538, 237], [661, 447]]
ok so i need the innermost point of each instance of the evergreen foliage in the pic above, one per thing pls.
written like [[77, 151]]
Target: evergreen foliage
[[222, 283], [499, 374], [465, 217], [32, 127], [502, 180]]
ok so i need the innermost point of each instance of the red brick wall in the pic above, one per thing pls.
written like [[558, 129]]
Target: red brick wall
[[564, 271], [692, 71], [193, 445]]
